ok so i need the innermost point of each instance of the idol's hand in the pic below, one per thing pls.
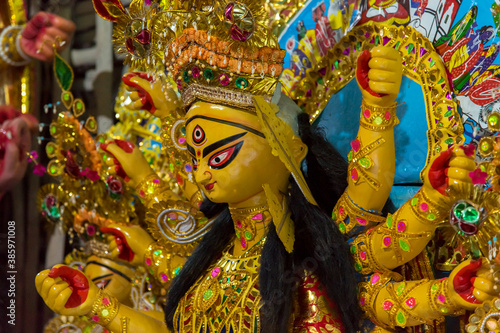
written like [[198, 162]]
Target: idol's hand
[[146, 94], [451, 167], [42, 32], [125, 160], [379, 74], [66, 291], [471, 283], [127, 243]]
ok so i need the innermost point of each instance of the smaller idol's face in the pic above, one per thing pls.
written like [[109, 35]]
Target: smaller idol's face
[[113, 278], [231, 157]]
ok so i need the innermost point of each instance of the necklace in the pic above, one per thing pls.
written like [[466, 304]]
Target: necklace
[[248, 221]]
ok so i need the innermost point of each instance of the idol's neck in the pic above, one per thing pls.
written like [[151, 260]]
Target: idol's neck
[[250, 226]]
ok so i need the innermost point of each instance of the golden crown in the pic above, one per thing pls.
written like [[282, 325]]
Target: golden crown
[[216, 51]]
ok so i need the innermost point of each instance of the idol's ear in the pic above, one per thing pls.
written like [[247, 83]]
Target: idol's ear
[[299, 149]]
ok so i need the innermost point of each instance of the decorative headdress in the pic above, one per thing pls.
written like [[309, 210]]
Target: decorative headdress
[[221, 52]]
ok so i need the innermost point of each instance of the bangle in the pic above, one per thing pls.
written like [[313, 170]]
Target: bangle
[[104, 309], [153, 257], [378, 119], [439, 299], [10, 50], [426, 210], [149, 185], [358, 218]]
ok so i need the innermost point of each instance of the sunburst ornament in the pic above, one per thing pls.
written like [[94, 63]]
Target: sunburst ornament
[[138, 32]]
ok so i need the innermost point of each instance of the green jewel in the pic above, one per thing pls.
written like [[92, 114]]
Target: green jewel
[[441, 81], [440, 124], [365, 163], [185, 76], [358, 46], [414, 201], [397, 44], [449, 141], [447, 114], [485, 146], [459, 208], [410, 48], [54, 212], [177, 271], [471, 214], [342, 227], [157, 252], [105, 312], [334, 216], [400, 289], [53, 169], [172, 168], [431, 217], [353, 249], [151, 189], [404, 245], [208, 74], [493, 120], [203, 220], [66, 96], [238, 235], [241, 83], [248, 235], [377, 40], [53, 129], [336, 64], [79, 105], [433, 63], [434, 288], [350, 155], [50, 149], [378, 120], [400, 318], [208, 294], [444, 310], [183, 130], [357, 266], [389, 221]]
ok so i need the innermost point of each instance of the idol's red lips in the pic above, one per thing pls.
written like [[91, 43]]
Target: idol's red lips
[[210, 186]]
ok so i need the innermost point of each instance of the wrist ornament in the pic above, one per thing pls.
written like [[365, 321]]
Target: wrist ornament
[[347, 210], [10, 49], [157, 263], [104, 309], [150, 186], [378, 118], [440, 300], [428, 211]]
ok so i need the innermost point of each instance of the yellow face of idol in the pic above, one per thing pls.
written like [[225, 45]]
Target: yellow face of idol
[[113, 278], [231, 156]]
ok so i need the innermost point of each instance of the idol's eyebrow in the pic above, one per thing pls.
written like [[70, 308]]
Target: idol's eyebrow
[[110, 268], [101, 277], [191, 150], [221, 143], [226, 122]]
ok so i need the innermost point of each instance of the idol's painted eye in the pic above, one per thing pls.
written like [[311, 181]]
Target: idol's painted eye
[[224, 157], [198, 135]]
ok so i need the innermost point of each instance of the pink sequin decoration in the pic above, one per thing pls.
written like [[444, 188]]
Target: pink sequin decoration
[[387, 115], [243, 243], [424, 206], [215, 271], [195, 71], [367, 113], [410, 302], [141, 193], [148, 261], [361, 221], [95, 318], [182, 141], [441, 298], [156, 181], [341, 211], [224, 79], [354, 174], [362, 255], [387, 305], [401, 226], [238, 224], [164, 277], [105, 301], [257, 217], [387, 241], [362, 301], [355, 145], [375, 278]]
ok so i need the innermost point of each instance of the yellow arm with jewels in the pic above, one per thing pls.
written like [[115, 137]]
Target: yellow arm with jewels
[[406, 233], [390, 304], [372, 158], [69, 292], [125, 160]]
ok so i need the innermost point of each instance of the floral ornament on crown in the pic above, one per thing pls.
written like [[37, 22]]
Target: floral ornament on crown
[[138, 32]]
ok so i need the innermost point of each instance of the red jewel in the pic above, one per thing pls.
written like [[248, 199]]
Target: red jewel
[[410, 302], [354, 174], [387, 115], [387, 305]]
